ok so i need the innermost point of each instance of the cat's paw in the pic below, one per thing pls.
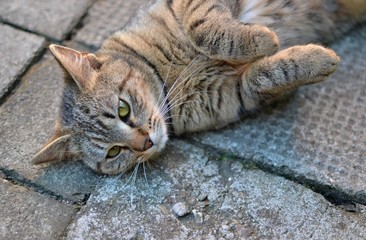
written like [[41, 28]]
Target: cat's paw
[[261, 41], [315, 62], [290, 68]]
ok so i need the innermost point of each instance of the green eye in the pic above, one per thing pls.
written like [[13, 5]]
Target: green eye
[[114, 151], [123, 109]]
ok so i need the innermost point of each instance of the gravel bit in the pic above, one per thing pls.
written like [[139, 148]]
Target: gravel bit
[[198, 216], [202, 196], [180, 209]]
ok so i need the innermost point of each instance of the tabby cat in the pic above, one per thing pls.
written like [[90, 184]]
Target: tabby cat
[[183, 66]]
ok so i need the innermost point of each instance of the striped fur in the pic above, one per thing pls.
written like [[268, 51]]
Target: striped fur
[[186, 66]]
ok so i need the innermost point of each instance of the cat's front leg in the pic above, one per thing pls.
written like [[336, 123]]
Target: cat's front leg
[[273, 76], [214, 31]]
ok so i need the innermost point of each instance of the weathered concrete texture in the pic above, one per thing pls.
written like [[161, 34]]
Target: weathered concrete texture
[[320, 133], [223, 198], [105, 17], [27, 119], [17, 49], [28, 215], [49, 18]]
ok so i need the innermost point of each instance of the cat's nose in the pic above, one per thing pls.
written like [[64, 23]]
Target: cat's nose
[[141, 142], [148, 144]]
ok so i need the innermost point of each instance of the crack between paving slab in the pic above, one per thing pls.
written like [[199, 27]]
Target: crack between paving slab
[[86, 45], [16, 26], [39, 54], [66, 36], [331, 194], [64, 233], [14, 86], [17, 179], [78, 24]]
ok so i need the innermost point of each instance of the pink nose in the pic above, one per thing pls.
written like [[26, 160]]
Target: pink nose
[[148, 144], [141, 142]]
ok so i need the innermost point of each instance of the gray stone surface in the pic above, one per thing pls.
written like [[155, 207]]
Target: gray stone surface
[[50, 18], [233, 202], [17, 49], [105, 17], [28, 215], [319, 134], [192, 191], [28, 118]]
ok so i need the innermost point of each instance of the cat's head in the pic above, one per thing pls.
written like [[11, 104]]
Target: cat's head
[[111, 114]]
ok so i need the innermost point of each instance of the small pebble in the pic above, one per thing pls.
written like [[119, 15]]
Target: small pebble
[[202, 196], [198, 216], [225, 230], [229, 235], [180, 209]]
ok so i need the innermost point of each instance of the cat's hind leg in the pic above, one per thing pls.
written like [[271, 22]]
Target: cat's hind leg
[[273, 76], [212, 29]]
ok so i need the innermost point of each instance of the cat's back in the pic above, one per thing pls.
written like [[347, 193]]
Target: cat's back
[[301, 22], [294, 21]]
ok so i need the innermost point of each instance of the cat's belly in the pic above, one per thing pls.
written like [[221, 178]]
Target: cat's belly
[[253, 11], [250, 11]]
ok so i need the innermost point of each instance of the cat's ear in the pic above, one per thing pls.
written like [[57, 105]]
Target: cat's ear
[[55, 150], [80, 65]]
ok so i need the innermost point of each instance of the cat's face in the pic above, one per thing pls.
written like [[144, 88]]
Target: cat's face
[[110, 115]]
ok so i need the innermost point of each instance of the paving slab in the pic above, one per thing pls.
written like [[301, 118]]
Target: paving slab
[[105, 17], [223, 200], [18, 49], [29, 215], [27, 119], [318, 134], [49, 18]]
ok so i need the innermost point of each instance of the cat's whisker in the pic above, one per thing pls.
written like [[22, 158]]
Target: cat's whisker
[[177, 105], [119, 176], [174, 115], [177, 101], [133, 185], [145, 176], [183, 72], [173, 87], [174, 100], [133, 172], [200, 67], [147, 161], [177, 94], [173, 106], [186, 79]]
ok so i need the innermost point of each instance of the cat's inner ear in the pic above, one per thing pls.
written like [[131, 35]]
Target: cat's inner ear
[[55, 150], [81, 66]]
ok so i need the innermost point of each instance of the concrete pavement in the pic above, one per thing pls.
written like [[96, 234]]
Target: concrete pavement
[[295, 171]]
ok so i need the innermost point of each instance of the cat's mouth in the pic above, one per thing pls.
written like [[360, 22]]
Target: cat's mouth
[[158, 140]]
